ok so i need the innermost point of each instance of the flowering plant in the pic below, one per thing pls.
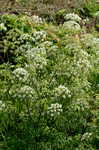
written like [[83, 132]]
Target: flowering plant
[[72, 17], [20, 74], [72, 26], [48, 85]]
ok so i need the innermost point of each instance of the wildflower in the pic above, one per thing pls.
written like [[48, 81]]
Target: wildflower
[[2, 105], [79, 105], [46, 44], [86, 136], [62, 91], [26, 37], [37, 56], [2, 27], [81, 60], [24, 48], [25, 92], [55, 109], [72, 25], [40, 62], [72, 17], [37, 19], [89, 41], [31, 53], [21, 74], [39, 35]]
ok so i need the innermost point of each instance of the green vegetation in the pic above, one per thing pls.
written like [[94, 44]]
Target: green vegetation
[[49, 83]]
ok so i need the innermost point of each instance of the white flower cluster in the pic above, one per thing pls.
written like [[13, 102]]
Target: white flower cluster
[[80, 105], [25, 41], [21, 74], [72, 26], [96, 43], [62, 91], [55, 109], [86, 136], [37, 19], [2, 27], [78, 62], [72, 17], [39, 35], [81, 61], [24, 48], [2, 105], [48, 43], [26, 37], [37, 56], [31, 53], [24, 93], [40, 62], [89, 41]]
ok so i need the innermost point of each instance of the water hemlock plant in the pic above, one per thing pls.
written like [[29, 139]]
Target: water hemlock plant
[[49, 87]]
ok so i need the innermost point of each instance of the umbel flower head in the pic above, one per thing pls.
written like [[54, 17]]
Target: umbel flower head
[[37, 19], [24, 93], [39, 35], [20, 74], [40, 62], [72, 26], [72, 17], [62, 91], [26, 37], [55, 109], [91, 41], [31, 54]]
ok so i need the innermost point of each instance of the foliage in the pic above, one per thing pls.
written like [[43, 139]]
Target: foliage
[[48, 86], [90, 8]]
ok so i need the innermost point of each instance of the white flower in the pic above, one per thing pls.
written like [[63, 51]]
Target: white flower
[[86, 136], [26, 89], [2, 105], [72, 17], [89, 41], [37, 56], [62, 91], [26, 37], [55, 109], [39, 35], [21, 74], [40, 62], [46, 44], [71, 26], [96, 41], [24, 48], [36, 19], [2, 27], [24, 93], [31, 54], [79, 105], [81, 61]]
